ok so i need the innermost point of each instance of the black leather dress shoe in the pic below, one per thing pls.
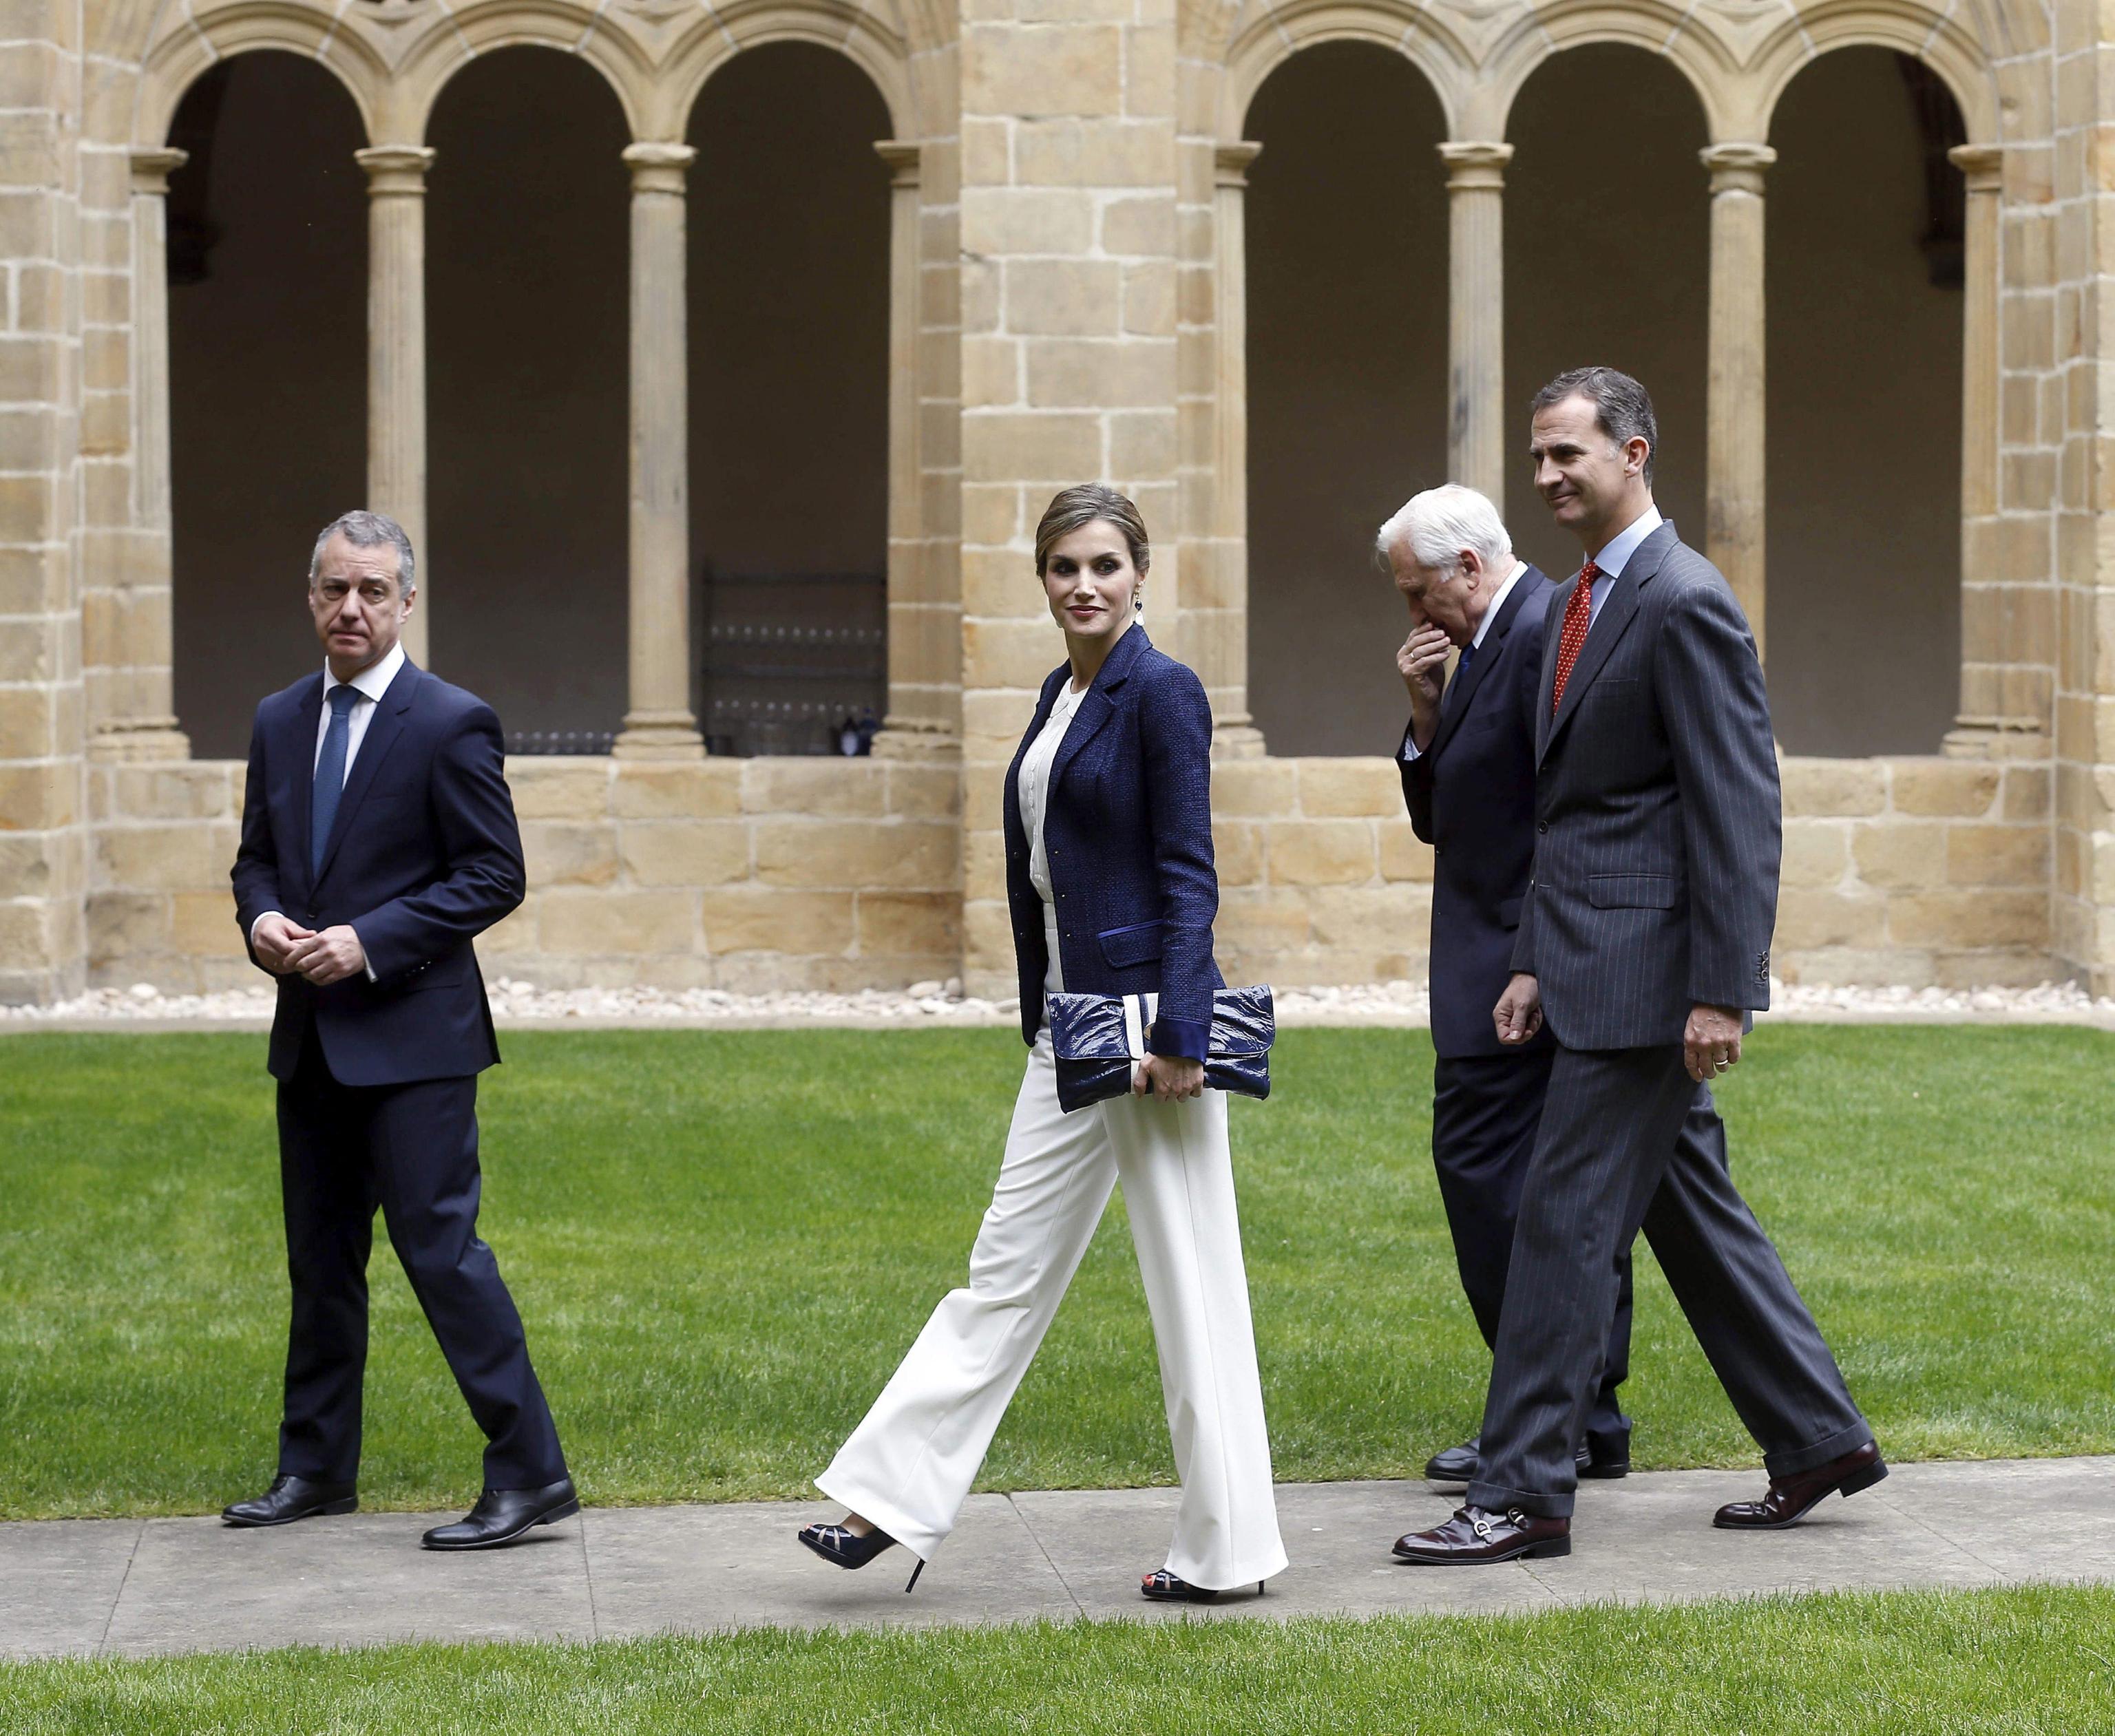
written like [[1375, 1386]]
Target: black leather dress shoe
[[1455, 1464], [1476, 1536], [1458, 1464], [501, 1515], [291, 1498], [1789, 1499]]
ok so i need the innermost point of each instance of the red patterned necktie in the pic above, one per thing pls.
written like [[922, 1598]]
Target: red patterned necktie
[[1578, 618]]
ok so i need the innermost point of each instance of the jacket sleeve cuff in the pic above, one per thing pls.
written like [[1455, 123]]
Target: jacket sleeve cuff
[[1188, 1038]]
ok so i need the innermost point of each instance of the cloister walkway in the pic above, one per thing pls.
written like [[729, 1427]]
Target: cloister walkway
[[131, 1586]]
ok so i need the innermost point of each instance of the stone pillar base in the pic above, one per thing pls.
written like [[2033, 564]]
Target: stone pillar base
[[649, 735], [1238, 741], [141, 743], [1989, 741], [918, 741]]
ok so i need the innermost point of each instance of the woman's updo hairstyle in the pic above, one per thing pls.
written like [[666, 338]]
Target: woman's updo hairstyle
[[1082, 504]]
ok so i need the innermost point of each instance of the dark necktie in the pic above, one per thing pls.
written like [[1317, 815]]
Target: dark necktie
[[330, 774], [1578, 618], [1468, 657]]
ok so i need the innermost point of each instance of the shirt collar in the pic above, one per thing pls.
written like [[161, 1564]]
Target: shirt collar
[[1616, 555], [373, 681], [1497, 602]]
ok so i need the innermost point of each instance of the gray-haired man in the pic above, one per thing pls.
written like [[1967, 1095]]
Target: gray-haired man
[[378, 841], [1467, 760]]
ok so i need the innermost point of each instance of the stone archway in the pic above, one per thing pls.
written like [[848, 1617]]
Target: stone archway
[[788, 289], [1607, 261], [527, 248], [1347, 221], [1865, 264], [266, 249]]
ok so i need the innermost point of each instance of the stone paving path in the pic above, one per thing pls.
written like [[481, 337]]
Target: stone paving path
[[128, 1587]]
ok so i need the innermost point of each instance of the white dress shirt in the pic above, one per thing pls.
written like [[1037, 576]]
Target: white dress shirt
[[1035, 791], [1410, 748], [371, 684], [1616, 555]]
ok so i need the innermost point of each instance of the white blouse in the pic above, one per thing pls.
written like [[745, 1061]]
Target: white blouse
[[1035, 791]]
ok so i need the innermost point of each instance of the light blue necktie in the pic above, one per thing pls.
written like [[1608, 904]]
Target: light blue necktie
[[330, 774]]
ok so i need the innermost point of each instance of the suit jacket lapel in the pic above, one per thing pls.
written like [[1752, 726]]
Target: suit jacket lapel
[[1454, 703], [382, 730], [1096, 707], [300, 747], [1617, 611]]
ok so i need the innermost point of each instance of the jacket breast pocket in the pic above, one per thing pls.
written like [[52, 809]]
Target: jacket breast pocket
[[1139, 944], [1632, 892]]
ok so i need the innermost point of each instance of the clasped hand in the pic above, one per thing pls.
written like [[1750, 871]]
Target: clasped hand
[[286, 948], [1170, 1078]]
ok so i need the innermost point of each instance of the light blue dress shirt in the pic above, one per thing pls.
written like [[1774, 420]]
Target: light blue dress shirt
[[1616, 555]]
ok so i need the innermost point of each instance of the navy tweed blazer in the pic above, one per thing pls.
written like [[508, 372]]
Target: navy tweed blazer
[[1128, 833]]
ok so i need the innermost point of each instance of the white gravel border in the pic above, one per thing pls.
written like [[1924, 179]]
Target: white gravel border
[[522, 1005]]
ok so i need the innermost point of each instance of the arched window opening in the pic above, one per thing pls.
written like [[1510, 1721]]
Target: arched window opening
[[1347, 263], [528, 255], [1864, 312], [1607, 262], [788, 288], [268, 375]]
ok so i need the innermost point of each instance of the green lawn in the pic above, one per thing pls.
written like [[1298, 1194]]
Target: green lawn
[[1904, 1664], [723, 1243]]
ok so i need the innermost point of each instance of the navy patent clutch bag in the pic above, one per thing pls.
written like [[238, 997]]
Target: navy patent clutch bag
[[1096, 1038]]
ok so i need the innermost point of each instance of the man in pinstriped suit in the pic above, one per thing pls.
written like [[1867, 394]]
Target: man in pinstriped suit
[[1645, 944]]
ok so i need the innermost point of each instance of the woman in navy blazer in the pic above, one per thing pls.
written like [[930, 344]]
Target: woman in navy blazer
[[1109, 879]]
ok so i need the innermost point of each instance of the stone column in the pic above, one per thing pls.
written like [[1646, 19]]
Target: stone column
[[1476, 315], [396, 356], [1069, 286], [924, 630], [1997, 707], [141, 722], [1734, 423], [660, 724], [1218, 622]]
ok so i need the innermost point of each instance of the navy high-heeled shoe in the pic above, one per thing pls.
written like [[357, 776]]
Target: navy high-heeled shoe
[[846, 1548], [1162, 1586]]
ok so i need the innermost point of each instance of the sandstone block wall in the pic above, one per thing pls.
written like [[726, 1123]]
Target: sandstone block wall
[[753, 875], [739, 874]]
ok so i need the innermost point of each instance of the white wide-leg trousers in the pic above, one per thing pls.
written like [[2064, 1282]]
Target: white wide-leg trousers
[[909, 1466]]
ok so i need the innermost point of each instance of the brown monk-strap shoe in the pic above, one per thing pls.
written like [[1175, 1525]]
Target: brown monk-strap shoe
[[1790, 1498], [1475, 1536]]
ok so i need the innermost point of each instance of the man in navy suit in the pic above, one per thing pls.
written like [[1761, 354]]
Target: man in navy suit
[[1467, 761], [379, 840]]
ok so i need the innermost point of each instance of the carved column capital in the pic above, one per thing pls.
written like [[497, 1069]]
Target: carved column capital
[[151, 170], [1737, 167], [904, 159], [1982, 166], [1477, 165], [1230, 162], [396, 170], [658, 167]]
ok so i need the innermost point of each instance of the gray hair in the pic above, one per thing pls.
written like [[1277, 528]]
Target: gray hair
[[1623, 408], [365, 529], [1440, 523]]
